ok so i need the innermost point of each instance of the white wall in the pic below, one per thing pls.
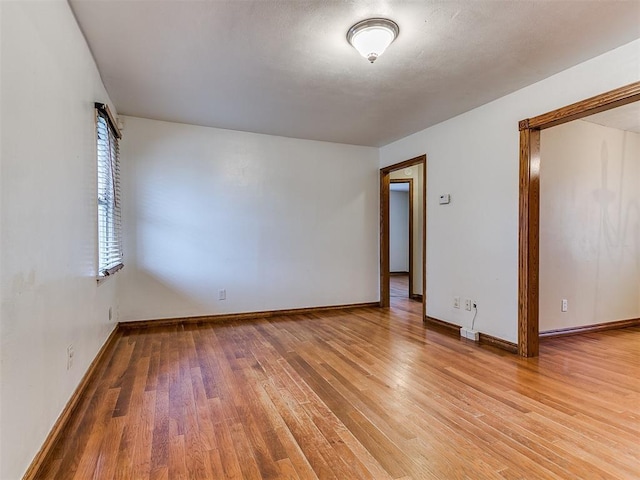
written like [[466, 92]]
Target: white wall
[[278, 222], [472, 244], [50, 298], [416, 174], [398, 231], [589, 225]]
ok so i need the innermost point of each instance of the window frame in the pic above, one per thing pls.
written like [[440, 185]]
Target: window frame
[[108, 206]]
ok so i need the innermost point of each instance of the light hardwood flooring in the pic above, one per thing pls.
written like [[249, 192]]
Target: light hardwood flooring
[[399, 286], [364, 394]]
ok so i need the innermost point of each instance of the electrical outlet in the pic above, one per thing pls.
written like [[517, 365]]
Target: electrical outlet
[[70, 354], [467, 304], [456, 302], [222, 294], [565, 305], [110, 314]]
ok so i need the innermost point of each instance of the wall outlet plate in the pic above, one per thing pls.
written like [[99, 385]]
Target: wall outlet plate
[[467, 304], [456, 302]]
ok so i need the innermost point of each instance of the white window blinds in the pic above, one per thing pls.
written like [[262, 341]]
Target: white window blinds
[[109, 218]]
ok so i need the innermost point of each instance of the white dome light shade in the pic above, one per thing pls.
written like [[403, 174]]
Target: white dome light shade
[[372, 37]]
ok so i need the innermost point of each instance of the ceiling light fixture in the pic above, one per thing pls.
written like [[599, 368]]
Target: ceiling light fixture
[[371, 37]]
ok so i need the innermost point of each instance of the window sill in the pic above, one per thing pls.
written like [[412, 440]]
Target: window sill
[[109, 273]]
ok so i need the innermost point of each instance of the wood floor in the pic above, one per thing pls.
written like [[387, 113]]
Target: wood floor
[[399, 286], [369, 394]]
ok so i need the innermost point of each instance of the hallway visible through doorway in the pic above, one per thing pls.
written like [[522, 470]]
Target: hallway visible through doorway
[[399, 295], [399, 286]]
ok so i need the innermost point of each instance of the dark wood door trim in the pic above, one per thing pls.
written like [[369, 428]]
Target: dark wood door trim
[[385, 296], [384, 229], [528, 254], [410, 182]]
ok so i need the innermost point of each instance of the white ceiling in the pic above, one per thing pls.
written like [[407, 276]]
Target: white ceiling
[[284, 67], [623, 118]]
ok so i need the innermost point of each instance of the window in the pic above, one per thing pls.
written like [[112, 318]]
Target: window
[[109, 219]]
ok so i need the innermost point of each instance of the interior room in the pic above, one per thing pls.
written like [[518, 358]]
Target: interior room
[[194, 239], [590, 212], [406, 195]]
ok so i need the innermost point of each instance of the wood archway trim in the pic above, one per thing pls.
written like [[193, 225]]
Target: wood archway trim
[[529, 218], [384, 228]]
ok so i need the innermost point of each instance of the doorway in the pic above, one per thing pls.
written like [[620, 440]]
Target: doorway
[[416, 170], [401, 238], [529, 218]]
